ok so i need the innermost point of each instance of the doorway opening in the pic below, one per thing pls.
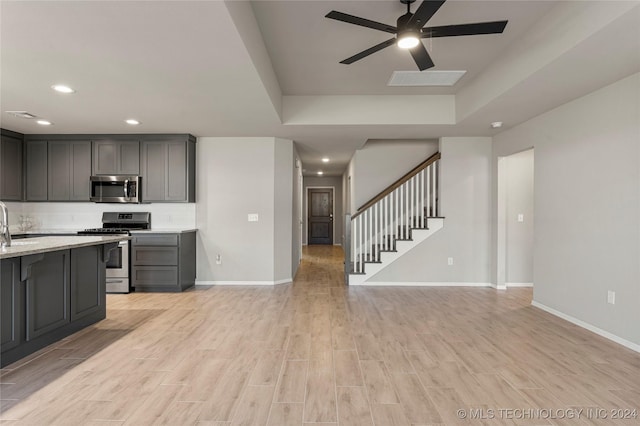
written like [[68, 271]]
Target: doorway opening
[[320, 215], [515, 220]]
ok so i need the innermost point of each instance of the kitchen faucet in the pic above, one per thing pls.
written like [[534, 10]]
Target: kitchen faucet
[[5, 235]]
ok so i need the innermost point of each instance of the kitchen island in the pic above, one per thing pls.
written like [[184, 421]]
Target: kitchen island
[[50, 288]]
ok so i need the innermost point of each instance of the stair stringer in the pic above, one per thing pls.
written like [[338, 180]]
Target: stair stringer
[[418, 235]]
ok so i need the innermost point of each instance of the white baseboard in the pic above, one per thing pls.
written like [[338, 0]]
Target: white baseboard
[[519, 284], [423, 284], [247, 283], [585, 325]]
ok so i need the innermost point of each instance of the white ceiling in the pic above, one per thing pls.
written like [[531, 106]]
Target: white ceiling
[[306, 48], [212, 68]]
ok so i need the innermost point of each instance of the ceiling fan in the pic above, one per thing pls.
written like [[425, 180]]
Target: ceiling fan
[[410, 28]]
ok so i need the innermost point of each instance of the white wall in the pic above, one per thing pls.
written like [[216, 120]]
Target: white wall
[[338, 211], [519, 201], [236, 177], [465, 185], [284, 164], [350, 185], [381, 162], [297, 214], [587, 206]]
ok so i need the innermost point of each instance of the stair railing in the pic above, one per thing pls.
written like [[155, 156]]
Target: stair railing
[[393, 213]]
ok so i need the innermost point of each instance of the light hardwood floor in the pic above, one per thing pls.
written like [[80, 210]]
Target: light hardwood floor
[[319, 353]]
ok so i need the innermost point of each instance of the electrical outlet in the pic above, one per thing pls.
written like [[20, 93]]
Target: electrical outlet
[[252, 217], [520, 217], [218, 260], [450, 261], [611, 297]]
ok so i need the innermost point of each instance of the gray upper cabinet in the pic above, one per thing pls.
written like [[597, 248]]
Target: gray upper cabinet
[[116, 157], [59, 167], [11, 166], [36, 175], [69, 170], [168, 169]]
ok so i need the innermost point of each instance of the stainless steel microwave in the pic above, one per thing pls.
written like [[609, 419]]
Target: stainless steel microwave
[[115, 189]]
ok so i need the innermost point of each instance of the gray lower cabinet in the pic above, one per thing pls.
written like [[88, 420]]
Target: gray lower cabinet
[[48, 296], [11, 303], [167, 167], [47, 292], [36, 170], [163, 261], [69, 170], [88, 278], [116, 157], [10, 166]]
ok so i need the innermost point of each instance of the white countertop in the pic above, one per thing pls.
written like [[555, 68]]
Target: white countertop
[[162, 231], [27, 246], [133, 231]]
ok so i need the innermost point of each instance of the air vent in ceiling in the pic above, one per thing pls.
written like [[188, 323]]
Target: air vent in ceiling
[[21, 114], [425, 78]]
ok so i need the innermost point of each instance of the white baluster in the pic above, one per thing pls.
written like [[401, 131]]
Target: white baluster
[[421, 198], [360, 242], [414, 202], [428, 195], [356, 252], [375, 232], [386, 221], [368, 249], [401, 211], [434, 192], [437, 188]]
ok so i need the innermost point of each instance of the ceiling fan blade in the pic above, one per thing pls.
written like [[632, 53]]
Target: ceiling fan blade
[[424, 12], [421, 56], [495, 27], [350, 19], [369, 51]]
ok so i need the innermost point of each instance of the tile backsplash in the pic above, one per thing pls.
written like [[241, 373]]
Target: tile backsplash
[[75, 216]]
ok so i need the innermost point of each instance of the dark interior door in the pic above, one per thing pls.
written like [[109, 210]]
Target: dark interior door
[[320, 216]]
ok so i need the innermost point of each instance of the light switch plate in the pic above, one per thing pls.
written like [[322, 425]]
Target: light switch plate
[[252, 217], [520, 217]]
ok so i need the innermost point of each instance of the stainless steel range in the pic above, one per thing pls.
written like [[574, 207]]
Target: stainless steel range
[[118, 265]]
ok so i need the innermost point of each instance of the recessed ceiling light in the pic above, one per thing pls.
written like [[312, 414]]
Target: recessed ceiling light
[[325, 160], [132, 122], [496, 124], [320, 173], [44, 122], [21, 114], [62, 88]]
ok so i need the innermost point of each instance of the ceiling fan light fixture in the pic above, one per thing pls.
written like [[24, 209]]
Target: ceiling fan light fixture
[[408, 40]]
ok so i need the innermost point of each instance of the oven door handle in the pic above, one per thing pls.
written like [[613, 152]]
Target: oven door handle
[[126, 188]]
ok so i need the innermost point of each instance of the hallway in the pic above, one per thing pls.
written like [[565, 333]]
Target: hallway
[[319, 352]]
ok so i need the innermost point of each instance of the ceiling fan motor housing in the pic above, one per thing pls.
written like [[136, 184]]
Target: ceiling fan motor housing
[[404, 29]]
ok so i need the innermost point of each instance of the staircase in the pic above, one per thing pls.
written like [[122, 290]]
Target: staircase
[[392, 223]]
